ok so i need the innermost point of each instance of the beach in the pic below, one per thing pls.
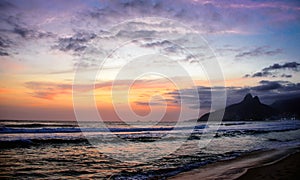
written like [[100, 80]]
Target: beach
[[270, 164], [287, 168]]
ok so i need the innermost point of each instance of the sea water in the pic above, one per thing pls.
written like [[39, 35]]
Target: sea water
[[56, 149]]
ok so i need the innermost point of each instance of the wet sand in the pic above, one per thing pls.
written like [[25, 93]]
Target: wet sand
[[272, 164]]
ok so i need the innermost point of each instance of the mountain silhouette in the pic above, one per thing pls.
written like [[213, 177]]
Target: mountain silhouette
[[250, 108], [288, 108]]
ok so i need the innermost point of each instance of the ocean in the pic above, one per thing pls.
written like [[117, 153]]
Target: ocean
[[59, 150]]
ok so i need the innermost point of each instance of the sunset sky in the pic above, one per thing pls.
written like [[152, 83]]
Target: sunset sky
[[45, 44]]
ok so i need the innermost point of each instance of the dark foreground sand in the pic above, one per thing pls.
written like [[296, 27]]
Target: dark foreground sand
[[288, 168], [273, 164]]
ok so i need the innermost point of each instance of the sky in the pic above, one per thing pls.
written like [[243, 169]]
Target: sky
[[155, 58]]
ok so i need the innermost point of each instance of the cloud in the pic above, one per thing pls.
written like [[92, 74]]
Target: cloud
[[157, 43], [272, 70], [190, 99], [47, 90], [148, 103], [6, 5], [74, 43], [286, 75], [206, 16], [59, 21], [262, 74], [3, 53], [268, 92], [268, 85], [16, 25], [289, 65], [27, 33], [4, 44], [15, 34], [276, 87], [259, 51]]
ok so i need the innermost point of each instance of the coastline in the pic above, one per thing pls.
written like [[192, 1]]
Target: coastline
[[256, 165]]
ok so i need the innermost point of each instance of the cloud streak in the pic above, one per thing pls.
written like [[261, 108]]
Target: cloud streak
[[259, 51], [289, 65], [273, 70], [49, 90]]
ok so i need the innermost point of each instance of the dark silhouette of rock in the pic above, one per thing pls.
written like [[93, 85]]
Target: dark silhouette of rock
[[249, 109], [288, 108]]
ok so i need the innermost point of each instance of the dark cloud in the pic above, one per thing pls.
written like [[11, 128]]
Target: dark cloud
[[15, 25], [74, 43], [276, 86], [3, 53], [27, 33], [23, 32], [291, 87], [268, 92], [286, 75], [267, 86], [5, 44], [271, 71], [166, 47], [6, 5], [189, 98], [16, 33], [158, 43], [289, 65], [259, 51], [9, 46], [130, 3], [262, 74]]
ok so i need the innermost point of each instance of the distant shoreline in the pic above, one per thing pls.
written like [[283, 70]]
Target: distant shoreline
[[248, 166]]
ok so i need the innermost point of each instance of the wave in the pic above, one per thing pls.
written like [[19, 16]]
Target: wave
[[164, 173], [14, 137], [31, 142], [232, 133], [6, 130], [38, 125], [94, 139], [135, 137], [234, 123]]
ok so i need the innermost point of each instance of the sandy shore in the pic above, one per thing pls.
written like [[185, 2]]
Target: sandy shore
[[287, 168], [272, 164]]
